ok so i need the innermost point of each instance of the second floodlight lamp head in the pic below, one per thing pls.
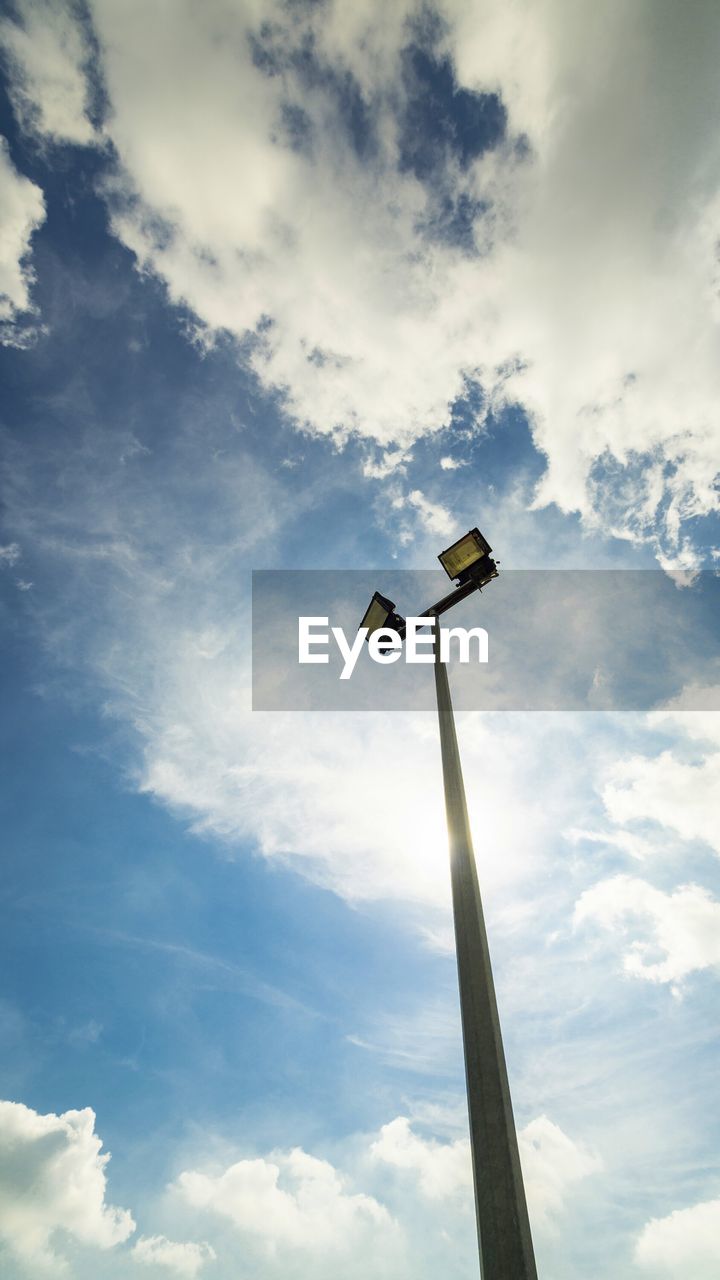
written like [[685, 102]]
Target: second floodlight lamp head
[[381, 614]]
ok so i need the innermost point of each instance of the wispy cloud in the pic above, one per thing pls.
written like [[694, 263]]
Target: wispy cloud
[[426, 1042], [241, 979], [10, 554]]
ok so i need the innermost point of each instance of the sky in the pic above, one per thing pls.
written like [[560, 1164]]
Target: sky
[[298, 284]]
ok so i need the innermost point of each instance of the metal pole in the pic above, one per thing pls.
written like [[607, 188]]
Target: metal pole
[[506, 1249]]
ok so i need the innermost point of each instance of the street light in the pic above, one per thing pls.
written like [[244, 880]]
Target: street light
[[504, 1237]]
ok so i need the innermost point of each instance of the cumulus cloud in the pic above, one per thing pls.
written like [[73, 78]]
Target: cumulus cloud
[[553, 1163], [289, 1199], [689, 713], [48, 58], [442, 1168], [292, 1204], [371, 275], [665, 789], [185, 1259], [685, 1243], [22, 211], [53, 1179], [672, 792], [682, 928]]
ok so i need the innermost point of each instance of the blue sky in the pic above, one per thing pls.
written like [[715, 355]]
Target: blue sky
[[305, 287]]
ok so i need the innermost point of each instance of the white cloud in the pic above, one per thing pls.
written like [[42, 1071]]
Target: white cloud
[[297, 786], [22, 211], [263, 216], [434, 517], [184, 1258], [624, 168], [48, 56], [691, 713], [683, 927], [552, 1164], [442, 1168], [386, 463], [53, 1179], [667, 790], [685, 1243], [290, 1200], [594, 301], [10, 554]]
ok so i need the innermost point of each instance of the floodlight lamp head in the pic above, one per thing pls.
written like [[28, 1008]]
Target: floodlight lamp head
[[469, 559], [380, 615]]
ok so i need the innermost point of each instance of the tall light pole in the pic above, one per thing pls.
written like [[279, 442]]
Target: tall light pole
[[505, 1241]]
